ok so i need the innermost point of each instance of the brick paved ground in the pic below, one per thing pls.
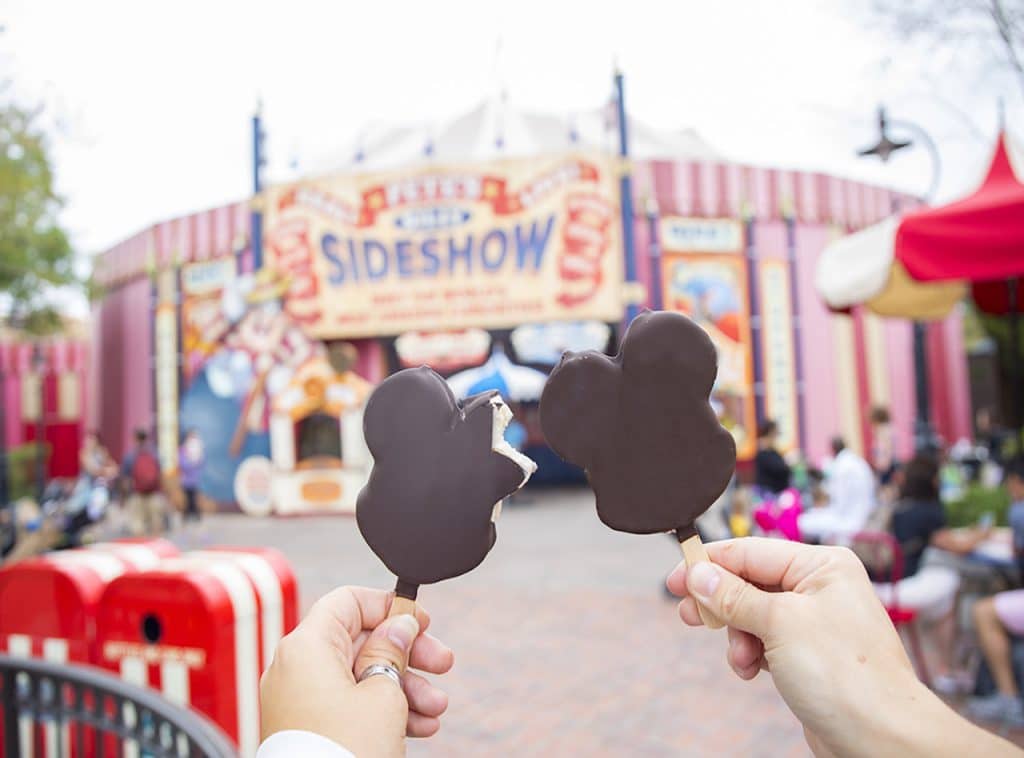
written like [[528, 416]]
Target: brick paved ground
[[565, 642]]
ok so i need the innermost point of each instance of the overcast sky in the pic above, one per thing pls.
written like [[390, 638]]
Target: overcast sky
[[149, 103]]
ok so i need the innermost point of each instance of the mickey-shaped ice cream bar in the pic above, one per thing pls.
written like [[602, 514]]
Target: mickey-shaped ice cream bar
[[642, 427], [441, 469]]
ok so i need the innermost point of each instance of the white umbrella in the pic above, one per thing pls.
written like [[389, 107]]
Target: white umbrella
[[515, 383]]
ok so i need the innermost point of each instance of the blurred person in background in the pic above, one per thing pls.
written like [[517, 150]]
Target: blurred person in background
[[191, 459], [141, 473], [771, 472], [851, 497], [999, 619], [93, 459], [990, 435], [918, 522], [883, 452], [88, 499]]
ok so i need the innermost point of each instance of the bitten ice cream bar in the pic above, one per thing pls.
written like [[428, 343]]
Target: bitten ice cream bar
[[441, 469]]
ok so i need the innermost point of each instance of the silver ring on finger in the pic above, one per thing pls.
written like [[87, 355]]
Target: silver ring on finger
[[381, 669]]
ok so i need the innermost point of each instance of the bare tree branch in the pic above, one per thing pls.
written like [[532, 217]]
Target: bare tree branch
[[1005, 28]]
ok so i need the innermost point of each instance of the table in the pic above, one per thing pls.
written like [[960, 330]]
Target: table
[[997, 553]]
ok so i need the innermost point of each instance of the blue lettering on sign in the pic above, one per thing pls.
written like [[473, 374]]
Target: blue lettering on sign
[[432, 260], [376, 257], [404, 258], [492, 249], [534, 245], [354, 259], [335, 268], [465, 253], [432, 218]]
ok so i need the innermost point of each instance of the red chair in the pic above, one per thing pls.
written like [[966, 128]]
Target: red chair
[[883, 557]]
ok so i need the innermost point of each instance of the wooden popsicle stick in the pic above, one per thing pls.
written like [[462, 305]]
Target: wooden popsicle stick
[[694, 552], [402, 605]]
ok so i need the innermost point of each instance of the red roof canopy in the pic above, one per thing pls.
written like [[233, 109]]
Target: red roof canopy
[[979, 239]]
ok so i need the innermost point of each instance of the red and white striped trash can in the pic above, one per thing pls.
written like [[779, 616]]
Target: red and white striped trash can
[[189, 629], [273, 581], [140, 553], [48, 610]]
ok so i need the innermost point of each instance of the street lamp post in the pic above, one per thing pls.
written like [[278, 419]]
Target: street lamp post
[[924, 435], [654, 251], [258, 162]]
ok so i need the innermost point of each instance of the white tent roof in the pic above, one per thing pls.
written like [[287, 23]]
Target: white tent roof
[[494, 129]]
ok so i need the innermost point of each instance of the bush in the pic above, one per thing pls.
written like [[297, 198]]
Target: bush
[[977, 501], [21, 469]]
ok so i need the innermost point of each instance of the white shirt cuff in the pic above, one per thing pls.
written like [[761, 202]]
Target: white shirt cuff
[[293, 742]]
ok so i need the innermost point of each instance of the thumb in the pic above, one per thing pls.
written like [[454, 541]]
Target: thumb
[[737, 603], [389, 644]]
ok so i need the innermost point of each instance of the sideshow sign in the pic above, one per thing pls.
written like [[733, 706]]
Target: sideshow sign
[[448, 247]]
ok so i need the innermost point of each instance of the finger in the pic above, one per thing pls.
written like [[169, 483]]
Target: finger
[[422, 726], [769, 562], [424, 698], [388, 644], [735, 602], [676, 581], [745, 653], [431, 655], [688, 612], [356, 609]]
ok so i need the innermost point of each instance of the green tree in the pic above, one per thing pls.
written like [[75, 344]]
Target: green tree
[[35, 255]]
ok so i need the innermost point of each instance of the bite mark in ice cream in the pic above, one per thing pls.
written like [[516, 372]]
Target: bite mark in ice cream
[[441, 469]]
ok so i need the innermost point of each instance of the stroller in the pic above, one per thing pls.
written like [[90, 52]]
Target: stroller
[[76, 508]]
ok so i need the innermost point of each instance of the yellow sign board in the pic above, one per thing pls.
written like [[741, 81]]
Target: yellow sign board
[[488, 245]]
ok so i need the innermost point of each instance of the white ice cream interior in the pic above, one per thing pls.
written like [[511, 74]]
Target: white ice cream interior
[[502, 416]]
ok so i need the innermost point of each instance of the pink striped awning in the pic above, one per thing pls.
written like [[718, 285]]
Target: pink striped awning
[[201, 236], [709, 189], [680, 188], [60, 355]]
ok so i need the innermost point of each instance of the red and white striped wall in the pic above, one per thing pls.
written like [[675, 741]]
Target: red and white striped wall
[[196, 237], [63, 396], [682, 188]]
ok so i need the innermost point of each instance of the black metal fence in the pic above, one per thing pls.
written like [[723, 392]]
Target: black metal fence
[[56, 710]]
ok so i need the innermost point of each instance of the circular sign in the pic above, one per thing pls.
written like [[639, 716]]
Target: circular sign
[[254, 486]]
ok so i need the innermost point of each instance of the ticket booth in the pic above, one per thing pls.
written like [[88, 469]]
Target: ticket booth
[[320, 460]]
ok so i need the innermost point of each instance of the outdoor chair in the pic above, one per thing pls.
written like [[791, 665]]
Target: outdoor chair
[[882, 556]]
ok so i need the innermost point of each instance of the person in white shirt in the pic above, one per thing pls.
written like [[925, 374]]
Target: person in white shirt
[[851, 497], [340, 679]]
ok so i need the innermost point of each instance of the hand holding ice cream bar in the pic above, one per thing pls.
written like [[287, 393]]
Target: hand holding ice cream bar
[[441, 469], [641, 426]]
